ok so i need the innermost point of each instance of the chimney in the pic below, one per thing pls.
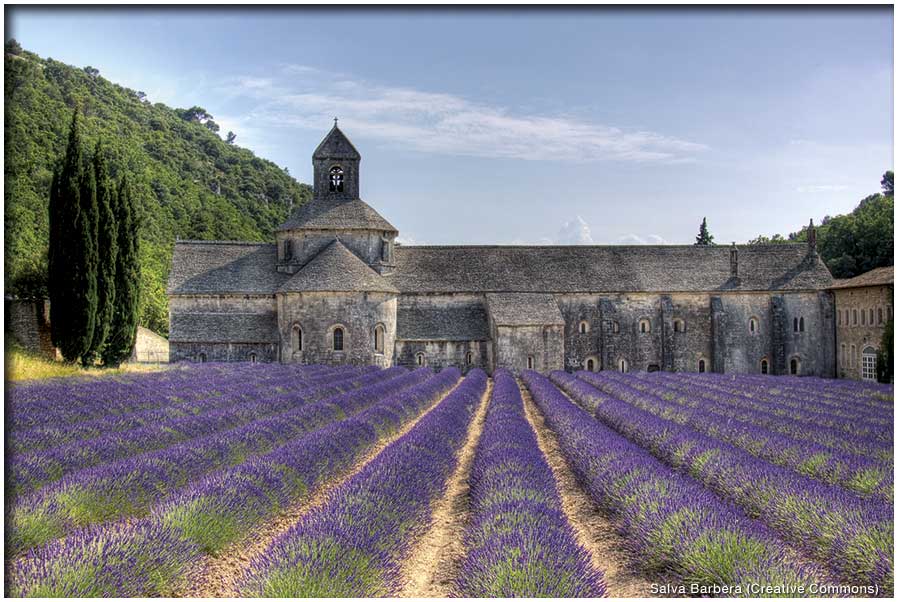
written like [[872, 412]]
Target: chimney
[[812, 238], [734, 261]]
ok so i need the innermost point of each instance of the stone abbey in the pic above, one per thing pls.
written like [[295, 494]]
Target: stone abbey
[[335, 287]]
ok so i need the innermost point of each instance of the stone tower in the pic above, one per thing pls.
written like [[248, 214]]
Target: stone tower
[[336, 212]]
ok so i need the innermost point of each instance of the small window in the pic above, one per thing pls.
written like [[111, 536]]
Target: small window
[[338, 339], [863, 318], [252, 357], [753, 325], [870, 320], [288, 250], [615, 326], [868, 364], [854, 317], [379, 338], [765, 366], [879, 315], [530, 362], [419, 359], [203, 358], [469, 358], [701, 366], [336, 179], [645, 326], [679, 325], [296, 338], [584, 327], [852, 359], [591, 365], [839, 316], [801, 324], [622, 365], [794, 366], [794, 324]]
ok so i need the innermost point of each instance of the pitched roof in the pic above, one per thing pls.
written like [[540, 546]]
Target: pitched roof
[[336, 145], [448, 323], [223, 328], [336, 269], [562, 269], [875, 277], [216, 267], [327, 213], [523, 309]]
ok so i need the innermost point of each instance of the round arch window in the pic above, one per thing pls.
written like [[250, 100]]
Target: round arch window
[[338, 339], [336, 179]]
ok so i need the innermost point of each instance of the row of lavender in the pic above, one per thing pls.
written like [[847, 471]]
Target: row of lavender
[[674, 526], [29, 471], [195, 395], [519, 542], [149, 556], [851, 535], [854, 471], [128, 487], [353, 545]]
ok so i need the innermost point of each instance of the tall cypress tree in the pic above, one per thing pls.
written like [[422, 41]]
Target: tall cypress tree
[[107, 252], [72, 277], [704, 237], [123, 329], [85, 260]]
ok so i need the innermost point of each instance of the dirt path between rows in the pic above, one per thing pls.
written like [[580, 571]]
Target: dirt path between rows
[[594, 530], [216, 577], [433, 564]]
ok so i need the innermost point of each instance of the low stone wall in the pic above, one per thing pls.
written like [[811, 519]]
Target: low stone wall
[[28, 322]]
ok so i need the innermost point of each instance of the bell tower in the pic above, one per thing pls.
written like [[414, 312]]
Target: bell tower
[[336, 166]]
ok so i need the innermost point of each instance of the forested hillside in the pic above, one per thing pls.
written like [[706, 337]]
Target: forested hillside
[[188, 182]]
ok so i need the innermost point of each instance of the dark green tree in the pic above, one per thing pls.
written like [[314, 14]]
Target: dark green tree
[[888, 183], [885, 363], [107, 251], [231, 138], [72, 270], [704, 237], [123, 328]]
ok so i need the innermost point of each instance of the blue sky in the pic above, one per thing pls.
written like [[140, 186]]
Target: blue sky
[[531, 126]]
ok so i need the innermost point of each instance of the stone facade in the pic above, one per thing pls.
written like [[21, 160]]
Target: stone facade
[[335, 266], [863, 306], [29, 323]]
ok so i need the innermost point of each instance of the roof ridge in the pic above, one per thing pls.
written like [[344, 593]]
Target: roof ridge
[[244, 243], [682, 246]]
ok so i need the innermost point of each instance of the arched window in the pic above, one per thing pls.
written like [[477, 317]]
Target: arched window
[[296, 338], [794, 324], [615, 326], [765, 366], [679, 325], [338, 339], [753, 325], [645, 326], [622, 365], [870, 319], [794, 366], [852, 359], [288, 250], [868, 364], [584, 327], [854, 317], [203, 358], [701, 366], [420, 359], [591, 365], [801, 324], [469, 358], [252, 357], [530, 362], [863, 318], [879, 315], [839, 316], [336, 179], [379, 338]]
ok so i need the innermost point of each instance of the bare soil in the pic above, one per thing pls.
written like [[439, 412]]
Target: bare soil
[[595, 531], [432, 566], [217, 577]]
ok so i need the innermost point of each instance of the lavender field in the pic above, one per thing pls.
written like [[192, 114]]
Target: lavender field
[[253, 480]]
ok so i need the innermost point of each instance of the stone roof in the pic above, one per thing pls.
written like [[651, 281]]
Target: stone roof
[[336, 213], [336, 145], [570, 269], [523, 309], [216, 267], [223, 328], [446, 323], [336, 269], [875, 277]]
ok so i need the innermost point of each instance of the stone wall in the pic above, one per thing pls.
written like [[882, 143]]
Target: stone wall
[[444, 354], [318, 314], [520, 348], [368, 245], [149, 347], [854, 335], [223, 352], [28, 322]]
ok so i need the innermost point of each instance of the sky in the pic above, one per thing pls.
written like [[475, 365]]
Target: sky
[[588, 126]]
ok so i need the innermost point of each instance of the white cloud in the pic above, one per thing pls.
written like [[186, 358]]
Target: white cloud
[[445, 123], [635, 239], [575, 232]]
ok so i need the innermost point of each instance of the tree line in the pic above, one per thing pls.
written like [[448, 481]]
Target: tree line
[[93, 258]]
